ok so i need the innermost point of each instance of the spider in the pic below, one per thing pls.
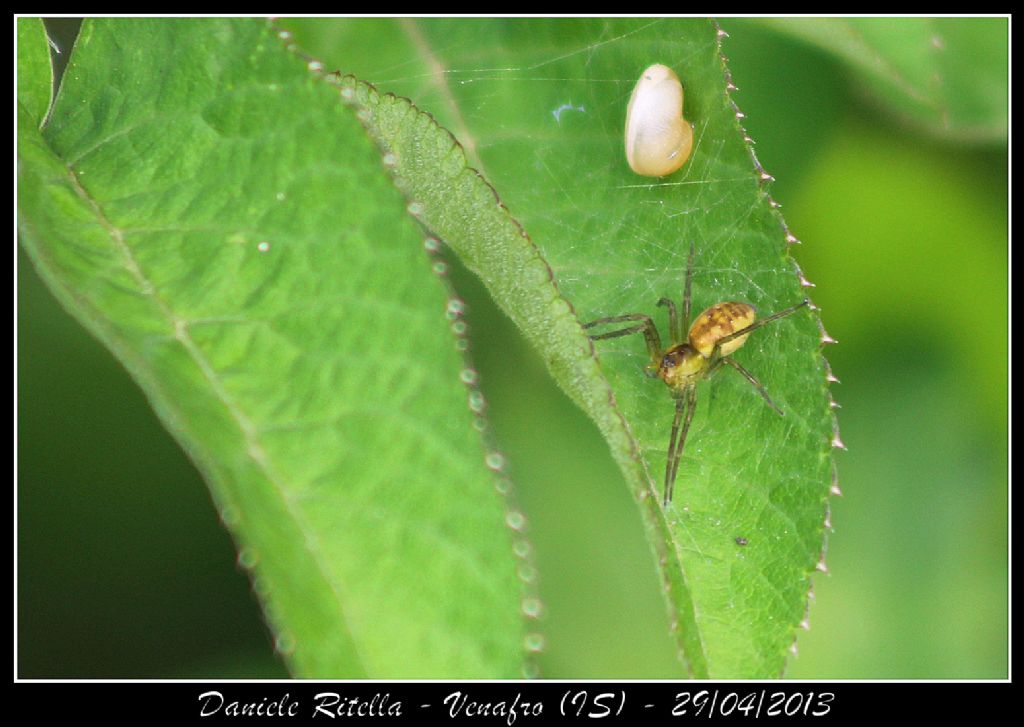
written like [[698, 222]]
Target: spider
[[696, 352]]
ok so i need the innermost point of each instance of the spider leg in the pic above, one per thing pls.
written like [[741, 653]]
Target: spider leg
[[673, 320], [687, 402], [647, 327], [685, 322], [680, 406], [753, 380]]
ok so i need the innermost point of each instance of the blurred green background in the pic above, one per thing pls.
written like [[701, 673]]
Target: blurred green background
[[125, 571]]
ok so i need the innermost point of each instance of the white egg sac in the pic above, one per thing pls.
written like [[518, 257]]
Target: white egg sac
[[658, 139]]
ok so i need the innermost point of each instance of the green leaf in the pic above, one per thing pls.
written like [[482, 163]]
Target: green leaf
[[35, 70], [949, 76], [538, 107], [213, 213]]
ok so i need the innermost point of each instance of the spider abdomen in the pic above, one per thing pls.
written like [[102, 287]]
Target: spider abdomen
[[716, 323]]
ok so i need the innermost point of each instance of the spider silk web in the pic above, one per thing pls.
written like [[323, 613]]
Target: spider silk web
[[539, 109]]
